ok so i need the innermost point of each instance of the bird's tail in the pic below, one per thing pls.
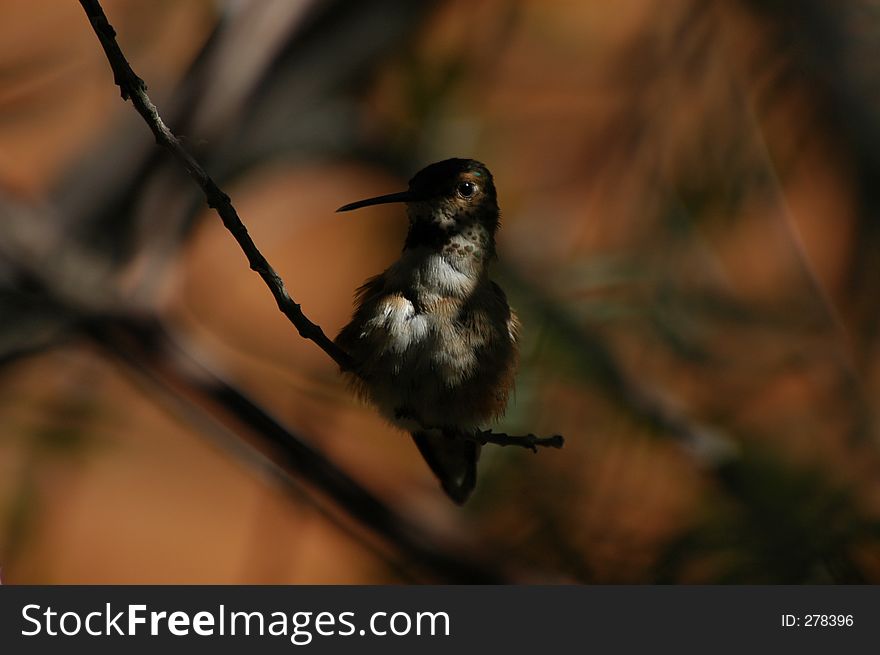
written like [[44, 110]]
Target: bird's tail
[[452, 459]]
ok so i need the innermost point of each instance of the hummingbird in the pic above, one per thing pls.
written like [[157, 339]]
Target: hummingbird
[[433, 336]]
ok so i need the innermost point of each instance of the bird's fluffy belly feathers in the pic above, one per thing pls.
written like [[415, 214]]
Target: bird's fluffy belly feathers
[[439, 354]]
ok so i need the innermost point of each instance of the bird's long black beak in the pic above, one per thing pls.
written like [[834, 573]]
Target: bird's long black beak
[[401, 196]]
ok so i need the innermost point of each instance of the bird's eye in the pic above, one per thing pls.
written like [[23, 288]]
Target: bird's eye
[[466, 189]]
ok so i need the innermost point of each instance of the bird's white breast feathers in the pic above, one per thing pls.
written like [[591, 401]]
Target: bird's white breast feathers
[[421, 331], [399, 324]]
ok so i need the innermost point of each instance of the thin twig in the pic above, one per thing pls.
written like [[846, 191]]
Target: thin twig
[[529, 441], [133, 88]]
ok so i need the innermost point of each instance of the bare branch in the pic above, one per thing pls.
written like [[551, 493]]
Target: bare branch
[[133, 88], [529, 441]]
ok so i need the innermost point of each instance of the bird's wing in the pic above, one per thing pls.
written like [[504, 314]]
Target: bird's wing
[[513, 323]]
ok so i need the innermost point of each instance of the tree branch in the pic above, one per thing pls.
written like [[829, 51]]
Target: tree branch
[[529, 441], [133, 88]]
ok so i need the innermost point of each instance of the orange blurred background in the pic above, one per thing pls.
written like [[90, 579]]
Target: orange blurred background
[[689, 234]]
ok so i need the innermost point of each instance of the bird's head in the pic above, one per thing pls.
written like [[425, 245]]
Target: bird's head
[[445, 199]]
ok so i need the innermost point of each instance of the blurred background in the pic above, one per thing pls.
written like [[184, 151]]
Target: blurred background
[[691, 235]]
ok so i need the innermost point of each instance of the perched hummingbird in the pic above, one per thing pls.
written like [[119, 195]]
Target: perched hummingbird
[[433, 337]]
